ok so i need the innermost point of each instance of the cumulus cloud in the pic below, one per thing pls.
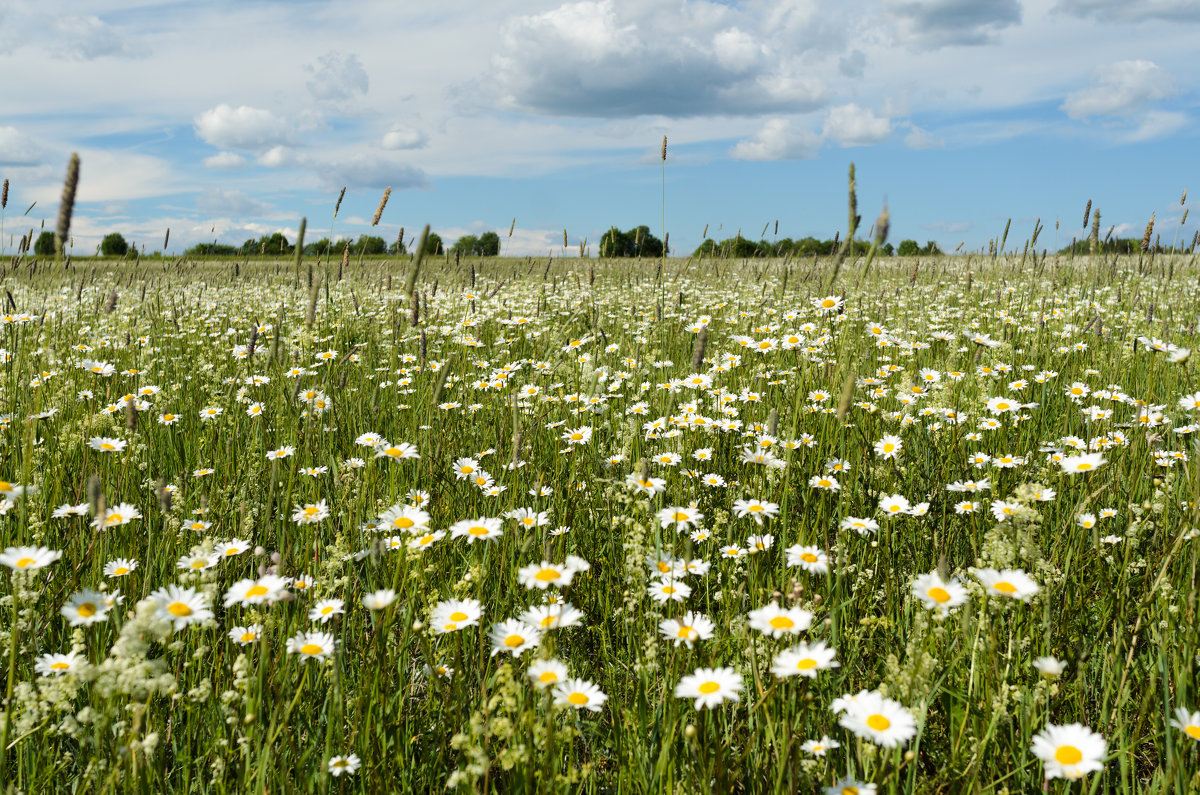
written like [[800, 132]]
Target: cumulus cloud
[[918, 138], [1155, 124], [778, 140], [85, 38], [216, 201], [280, 157], [242, 127], [225, 161], [853, 64], [601, 58], [336, 77], [18, 149], [403, 137], [1121, 89], [1132, 10], [850, 125], [930, 24], [370, 171]]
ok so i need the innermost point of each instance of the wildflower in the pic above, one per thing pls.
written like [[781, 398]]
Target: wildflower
[[211, 412], [1081, 463], [826, 482], [311, 513], [119, 567], [755, 509], [85, 608], [710, 686], [542, 575], [1050, 667], [879, 720], [380, 599], [528, 517], [812, 559], [404, 517], [894, 505], [514, 636], [28, 558], [776, 621], [546, 673], [804, 660], [455, 614], [889, 446], [648, 486], [324, 610], [311, 645], [580, 694], [344, 764], [484, 529], [1009, 582], [185, 605], [552, 616], [107, 445], [426, 539], [55, 664], [821, 747], [396, 452], [937, 594], [246, 635], [1187, 723], [669, 590], [1069, 751], [756, 544], [465, 468], [850, 786], [687, 629], [581, 435], [861, 526], [280, 452], [681, 518]]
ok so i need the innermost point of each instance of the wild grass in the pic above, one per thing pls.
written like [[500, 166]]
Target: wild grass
[[150, 708]]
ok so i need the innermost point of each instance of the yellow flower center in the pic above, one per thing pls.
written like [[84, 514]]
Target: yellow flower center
[[889, 447], [547, 677], [179, 609], [107, 446], [680, 516], [311, 648], [403, 522], [756, 508], [575, 437], [578, 699], [1193, 732], [939, 594], [668, 589], [87, 609], [326, 610], [513, 641], [247, 637], [809, 557], [878, 723], [1083, 466], [1068, 755], [311, 510], [782, 622], [458, 615], [24, 563], [807, 664], [60, 666], [1005, 587], [478, 531], [547, 575], [426, 540], [120, 570], [709, 687]]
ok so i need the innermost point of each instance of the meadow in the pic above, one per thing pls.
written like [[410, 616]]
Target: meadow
[[533, 525]]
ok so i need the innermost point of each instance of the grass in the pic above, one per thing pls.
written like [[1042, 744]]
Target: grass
[[150, 708]]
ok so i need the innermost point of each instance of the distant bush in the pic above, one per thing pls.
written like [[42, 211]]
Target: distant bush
[[637, 242], [114, 245], [44, 245]]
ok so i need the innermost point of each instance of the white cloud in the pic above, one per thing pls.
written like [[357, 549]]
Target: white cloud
[[370, 171], [403, 137], [225, 161], [850, 125], [280, 157], [1121, 89], [337, 77], [922, 139], [778, 140], [1132, 10], [1156, 124], [242, 127], [216, 201], [18, 149], [603, 58], [942, 23], [84, 38]]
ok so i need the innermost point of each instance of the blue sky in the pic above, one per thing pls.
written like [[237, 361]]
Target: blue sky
[[228, 120]]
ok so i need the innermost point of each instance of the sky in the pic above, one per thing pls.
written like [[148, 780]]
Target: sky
[[223, 121]]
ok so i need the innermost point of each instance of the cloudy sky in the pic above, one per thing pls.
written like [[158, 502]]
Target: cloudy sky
[[226, 120]]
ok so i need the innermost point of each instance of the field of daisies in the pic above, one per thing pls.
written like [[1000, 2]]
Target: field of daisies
[[685, 526]]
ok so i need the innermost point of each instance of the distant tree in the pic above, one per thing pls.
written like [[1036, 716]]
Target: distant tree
[[909, 248], [489, 244], [636, 242], [433, 244], [398, 248], [706, 249], [888, 249], [319, 248], [276, 245], [212, 250], [44, 245], [114, 245], [931, 248], [467, 245], [369, 245]]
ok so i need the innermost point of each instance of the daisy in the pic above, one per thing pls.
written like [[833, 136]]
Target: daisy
[[1188, 723], [426, 539], [465, 468], [687, 629], [55, 664], [326, 609], [1050, 667], [107, 445], [879, 720], [1081, 463], [888, 447], [1069, 751], [85, 608], [552, 616], [396, 452], [581, 435], [645, 485], [894, 505], [861, 526], [775, 621], [681, 518], [232, 548], [121, 514], [811, 559], [28, 558], [311, 645], [280, 452], [455, 614], [542, 575], [820, 747], [669, 590], [580, 694], [755, 509], [710, 686], [268, 588], [849, 786], [529, 518], [514, 636], [344, 764], [404, 517], [935, 593], [804, 660], [244, 636], [185, 605], [1009, 582], [119, 567], [756, 544], [311, 513], [546, 673], [484, 529], [198, 561], [379, 599]]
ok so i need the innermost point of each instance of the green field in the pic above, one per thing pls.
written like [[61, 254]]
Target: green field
[[914, 479]]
